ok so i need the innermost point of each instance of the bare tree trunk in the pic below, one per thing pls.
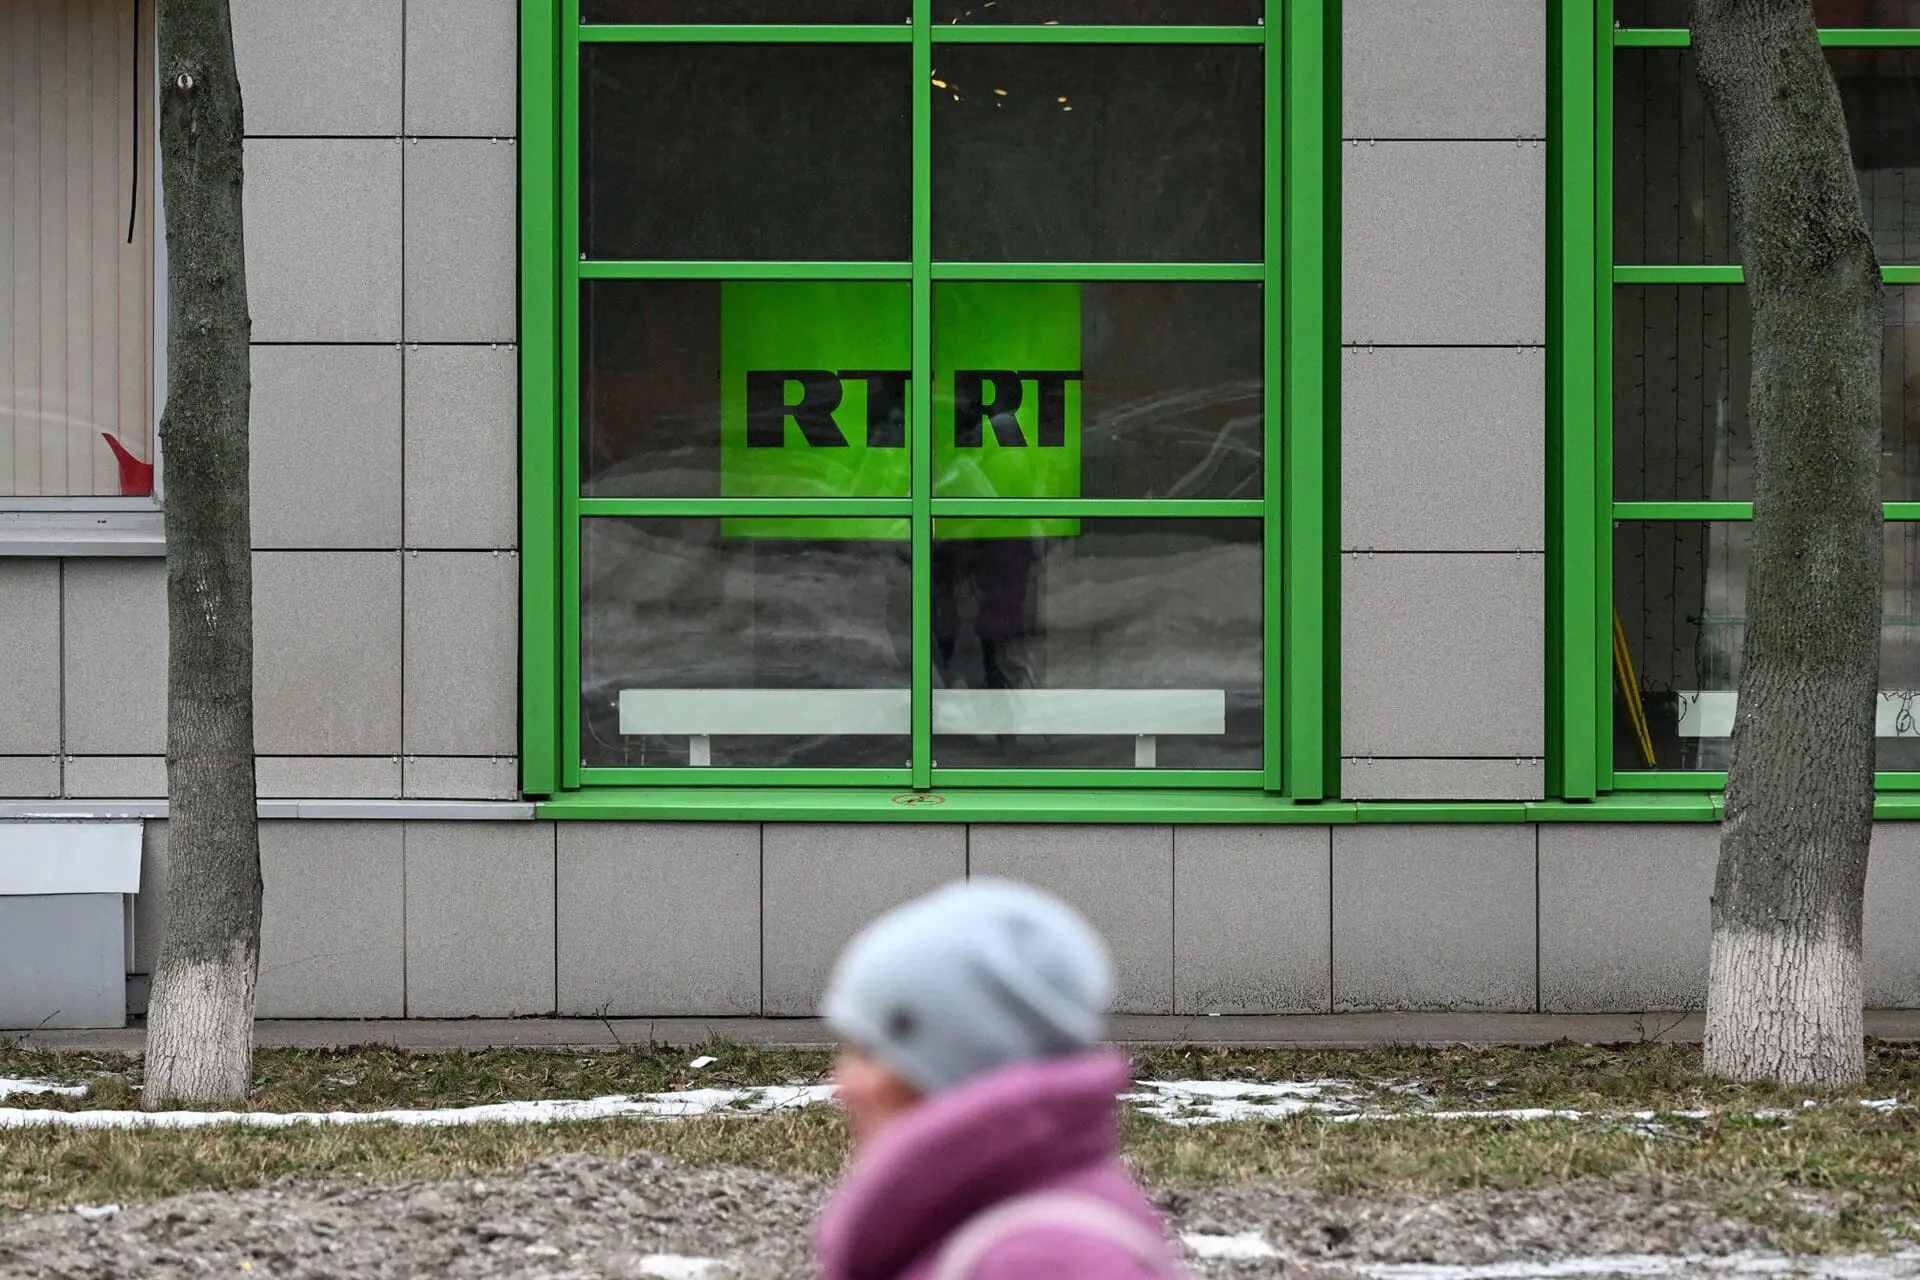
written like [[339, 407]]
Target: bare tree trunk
[[200, 1019], [1784, 994]]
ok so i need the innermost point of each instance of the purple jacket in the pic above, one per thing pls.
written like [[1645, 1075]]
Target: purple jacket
[[1041, 1126]]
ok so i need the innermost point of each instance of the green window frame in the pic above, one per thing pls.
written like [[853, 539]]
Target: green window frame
[[1584, 513], [1299, 42]]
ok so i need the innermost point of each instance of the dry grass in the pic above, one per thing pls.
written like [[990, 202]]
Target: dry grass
[[1836, 1176]]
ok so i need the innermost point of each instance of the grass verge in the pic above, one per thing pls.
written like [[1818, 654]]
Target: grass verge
[[1827, 1178]]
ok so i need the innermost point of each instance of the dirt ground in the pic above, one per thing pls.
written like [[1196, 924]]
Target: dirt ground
[[578, 1216]]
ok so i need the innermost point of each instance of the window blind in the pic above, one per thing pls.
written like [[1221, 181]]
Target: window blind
[[76, 298]]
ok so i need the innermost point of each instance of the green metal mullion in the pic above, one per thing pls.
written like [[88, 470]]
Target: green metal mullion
[[1098, 508], [592, 270], [1653, 38], [1900, 511], [1683, 510], [1299, 108], [1273, 408], [1669, 780], [1598, 632], [688, 776], [1699, 273], [1871, 37], [1726, 274], [920, 412], [697, 508], [569, 425], [1099, 271], [1578, 567], [749, 33], [1011, 34], [540, 261], [1117, 779]]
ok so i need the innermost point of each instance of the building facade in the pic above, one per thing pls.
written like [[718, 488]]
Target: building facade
[[1273, 471]]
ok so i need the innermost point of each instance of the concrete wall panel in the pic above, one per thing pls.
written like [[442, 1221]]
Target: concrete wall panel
[[462, 240], [326, 652], [823, 882], [333, 925], [116, 777], [30, 657], [29, 777], [480, 919], [1434, 917], [326, 447], [463, 67], [329, 67], [1893, 917], [1464, 69], [323, 239], [659, 919], [463, 448], [1443, 449], [1625, 916], [115, 639], [460, 778], [462, 653], [1120, 878], [1377, 778], [150, 904], [1445, 244], [327, 777], [1443, 656], [1251, 920]]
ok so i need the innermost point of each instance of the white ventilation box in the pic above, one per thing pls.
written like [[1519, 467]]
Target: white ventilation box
[[63, 922]]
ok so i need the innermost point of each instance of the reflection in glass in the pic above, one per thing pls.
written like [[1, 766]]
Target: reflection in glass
[[669, 606], [1681, 373], [1112, 644], [1097, 390], [1113, 13], [784, 12], [747, 388], [1680, 600], [1828, 13], [1670, 186], [707, 152], [1097, 153]]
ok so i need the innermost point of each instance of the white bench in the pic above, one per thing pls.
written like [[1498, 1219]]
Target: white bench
[[700, 715]]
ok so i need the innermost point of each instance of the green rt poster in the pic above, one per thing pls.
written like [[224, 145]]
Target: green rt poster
[[814, 396]]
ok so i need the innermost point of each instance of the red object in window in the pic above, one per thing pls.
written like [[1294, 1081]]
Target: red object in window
[[136, 477]]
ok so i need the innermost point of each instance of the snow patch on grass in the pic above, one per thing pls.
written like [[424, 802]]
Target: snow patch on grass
[[8, 1088], [656, 1106]]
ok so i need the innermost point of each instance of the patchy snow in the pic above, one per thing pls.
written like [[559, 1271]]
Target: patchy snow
[[673, 1266], [1896, 1266], [1248, 1246], [95, 1212], [656, 1106], [1177, 1102], [10, 1087], [1195, 1102]]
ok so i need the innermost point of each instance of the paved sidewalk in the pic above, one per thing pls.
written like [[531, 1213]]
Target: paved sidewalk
[[1317, 1031]]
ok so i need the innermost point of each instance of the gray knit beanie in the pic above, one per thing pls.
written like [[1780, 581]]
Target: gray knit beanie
[[970, 978]]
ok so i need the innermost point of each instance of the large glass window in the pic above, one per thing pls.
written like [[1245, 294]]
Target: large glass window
[[916, 392], [1673, 415]]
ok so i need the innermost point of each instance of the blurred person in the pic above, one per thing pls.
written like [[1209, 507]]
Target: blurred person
[[984, 1111]]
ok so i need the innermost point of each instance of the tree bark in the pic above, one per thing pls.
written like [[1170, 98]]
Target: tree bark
[[200, 1018], [1784, 993]]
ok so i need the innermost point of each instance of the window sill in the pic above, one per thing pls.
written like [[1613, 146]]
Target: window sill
[[83, 533], [1111, 807]]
